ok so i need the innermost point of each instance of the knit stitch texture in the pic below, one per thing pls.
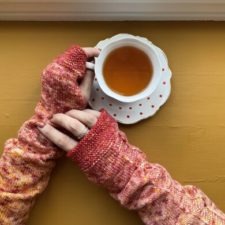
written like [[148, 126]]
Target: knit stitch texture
[[27, 161], [107, 159]]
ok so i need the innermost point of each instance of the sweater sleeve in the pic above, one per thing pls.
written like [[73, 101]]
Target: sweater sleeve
[[107, 159], [27, 161]]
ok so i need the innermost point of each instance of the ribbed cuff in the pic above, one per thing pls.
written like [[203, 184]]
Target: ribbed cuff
[[74, 59], [96, 143]]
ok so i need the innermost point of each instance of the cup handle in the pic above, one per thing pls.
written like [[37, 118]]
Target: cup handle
[[90, 66]]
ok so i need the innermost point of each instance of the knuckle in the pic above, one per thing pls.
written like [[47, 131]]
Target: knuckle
[[57, 116], [89, 73], [85, 96], [73, 128], [79, 127], [71, 112], [70, 145], [61, 141], [47, 129], [97, 113], [82, 133], [91, 120]]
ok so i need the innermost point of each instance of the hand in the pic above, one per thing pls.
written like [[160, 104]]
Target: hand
[[66, 83], [86, 84], [77, 123]]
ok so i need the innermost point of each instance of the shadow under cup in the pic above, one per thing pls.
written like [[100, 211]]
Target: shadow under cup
[[154, 59]]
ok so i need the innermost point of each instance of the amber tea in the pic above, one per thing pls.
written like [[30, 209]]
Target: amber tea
[[127, 70]]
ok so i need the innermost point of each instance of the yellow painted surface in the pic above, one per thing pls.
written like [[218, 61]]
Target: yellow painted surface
[[187, 135]]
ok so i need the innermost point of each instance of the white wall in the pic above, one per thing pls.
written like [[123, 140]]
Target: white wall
[[112, 10]]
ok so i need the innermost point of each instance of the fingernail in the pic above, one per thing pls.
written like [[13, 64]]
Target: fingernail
[[39, 128], [51, 121], [50, 117], [40, 125]]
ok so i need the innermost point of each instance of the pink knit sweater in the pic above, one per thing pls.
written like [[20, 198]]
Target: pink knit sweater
[[107, 158], [104, 155], [27, 161]]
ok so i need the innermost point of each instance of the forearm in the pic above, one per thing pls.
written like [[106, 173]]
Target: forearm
[[27, 161], [109, 160], [24, 172]]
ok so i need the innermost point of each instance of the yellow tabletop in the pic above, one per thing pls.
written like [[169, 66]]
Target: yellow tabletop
[[187, 135]]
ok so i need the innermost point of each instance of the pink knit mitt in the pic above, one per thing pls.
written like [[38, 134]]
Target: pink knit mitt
[[27, 161], [107, 158]]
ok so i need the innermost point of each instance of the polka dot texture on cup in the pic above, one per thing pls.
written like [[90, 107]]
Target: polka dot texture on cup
[[129, 113]]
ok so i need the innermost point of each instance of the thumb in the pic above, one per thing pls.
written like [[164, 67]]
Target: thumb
[[86, 84], [91, 52]]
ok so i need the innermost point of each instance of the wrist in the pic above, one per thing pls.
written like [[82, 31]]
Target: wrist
[[105, 155], [96, 143]]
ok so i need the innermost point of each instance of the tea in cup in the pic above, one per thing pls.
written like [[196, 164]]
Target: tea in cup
[[127, 69]]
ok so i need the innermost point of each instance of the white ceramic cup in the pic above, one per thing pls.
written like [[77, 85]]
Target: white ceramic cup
[[148, 49]]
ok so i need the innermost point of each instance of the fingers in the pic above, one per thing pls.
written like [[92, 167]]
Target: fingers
[[87, 81], [86, 84], [75, 122], [94, 112], [91, 52], [74, 126], [89, 118], [58, 138]]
